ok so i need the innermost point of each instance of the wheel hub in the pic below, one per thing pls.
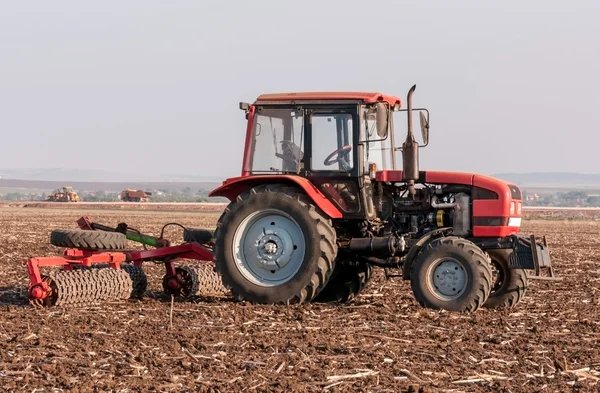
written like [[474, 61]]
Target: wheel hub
[[449, 278], [269, 247], [173, 283], [274, 249], [37, 292]]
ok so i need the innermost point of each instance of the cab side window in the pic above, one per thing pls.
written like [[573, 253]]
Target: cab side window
[[332, 142]]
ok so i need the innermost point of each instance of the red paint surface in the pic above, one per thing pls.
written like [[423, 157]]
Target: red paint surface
[[494, 231], [232, 187], [368, 97], [481, 207]]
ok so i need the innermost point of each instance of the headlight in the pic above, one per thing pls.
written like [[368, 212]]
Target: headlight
[[514, 222]]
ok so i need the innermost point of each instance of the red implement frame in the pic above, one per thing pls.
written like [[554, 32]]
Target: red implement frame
[[39, 289]]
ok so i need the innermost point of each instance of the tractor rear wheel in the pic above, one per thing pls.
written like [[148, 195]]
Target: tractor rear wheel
[[509, 285], [274, 246], [346, 282], [451, 273]]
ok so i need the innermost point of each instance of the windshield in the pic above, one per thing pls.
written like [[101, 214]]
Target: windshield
[[278, 138]]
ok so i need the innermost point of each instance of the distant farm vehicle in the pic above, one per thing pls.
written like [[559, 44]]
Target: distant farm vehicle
[[135, 195], [66, 194], [318, 205]]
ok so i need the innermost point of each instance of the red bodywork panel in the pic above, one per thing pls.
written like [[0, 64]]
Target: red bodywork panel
[[368, 97], [232, 187], [500, 207]]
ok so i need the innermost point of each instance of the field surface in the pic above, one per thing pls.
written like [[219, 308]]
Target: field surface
[[381, 342]]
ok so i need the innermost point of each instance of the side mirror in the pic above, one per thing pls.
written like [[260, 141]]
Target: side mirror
[[421, 138], [382, 120], [424, 128]]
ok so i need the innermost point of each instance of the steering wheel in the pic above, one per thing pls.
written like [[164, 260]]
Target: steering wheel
[[344, 149]]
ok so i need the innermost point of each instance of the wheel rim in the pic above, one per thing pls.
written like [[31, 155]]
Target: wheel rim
[[498, 276], [268, 247], [447, 278]]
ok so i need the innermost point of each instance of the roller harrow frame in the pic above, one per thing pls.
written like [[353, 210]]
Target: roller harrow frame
[[178, 280]]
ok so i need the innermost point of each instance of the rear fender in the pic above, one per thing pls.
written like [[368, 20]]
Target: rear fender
[[233, 187], [414, 250]]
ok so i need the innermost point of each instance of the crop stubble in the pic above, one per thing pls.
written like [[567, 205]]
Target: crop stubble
[[381, 342]]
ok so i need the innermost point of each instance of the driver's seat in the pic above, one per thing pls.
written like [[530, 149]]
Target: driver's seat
[[292, 154]]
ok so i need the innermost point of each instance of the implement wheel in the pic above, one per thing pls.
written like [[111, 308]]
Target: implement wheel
[[509, 285], [451, 273], [346, 282], [88, 240], [273, 246], [185, 284]]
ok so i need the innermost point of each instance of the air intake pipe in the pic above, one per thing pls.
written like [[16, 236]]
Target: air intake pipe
[[410, 150]]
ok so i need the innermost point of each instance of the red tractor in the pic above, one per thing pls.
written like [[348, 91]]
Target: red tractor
[[320, 202]]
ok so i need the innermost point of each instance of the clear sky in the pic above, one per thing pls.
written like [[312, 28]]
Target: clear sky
[[512, 86]]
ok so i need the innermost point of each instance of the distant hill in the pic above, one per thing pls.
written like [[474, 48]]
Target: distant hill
[[94, 175], [552, 179]]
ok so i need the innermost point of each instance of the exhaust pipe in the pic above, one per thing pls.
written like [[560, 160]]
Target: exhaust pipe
[[410, 150]]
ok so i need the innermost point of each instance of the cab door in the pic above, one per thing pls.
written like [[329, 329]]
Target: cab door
[[334, 166]]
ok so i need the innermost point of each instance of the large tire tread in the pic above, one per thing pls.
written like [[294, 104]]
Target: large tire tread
[[346, 283], [515, 288], [88, 240]]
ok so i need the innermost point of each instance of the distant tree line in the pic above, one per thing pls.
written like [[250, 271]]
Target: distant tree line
[[562, 199], [185, 195]]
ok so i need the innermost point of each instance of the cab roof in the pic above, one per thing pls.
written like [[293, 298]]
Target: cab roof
[[329, 96]]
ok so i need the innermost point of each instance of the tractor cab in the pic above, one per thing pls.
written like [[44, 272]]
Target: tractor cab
[[335, 140]]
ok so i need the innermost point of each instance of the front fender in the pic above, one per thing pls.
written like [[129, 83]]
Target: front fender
[[233, 187], [414, 250]]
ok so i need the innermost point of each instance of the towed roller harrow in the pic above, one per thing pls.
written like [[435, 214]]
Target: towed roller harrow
[[96, 266]]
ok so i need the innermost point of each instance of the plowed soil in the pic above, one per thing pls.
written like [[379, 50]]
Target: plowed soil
[[381, 342]]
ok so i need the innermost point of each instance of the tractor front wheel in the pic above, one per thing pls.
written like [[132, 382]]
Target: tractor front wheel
[[274, 246], [509, 285], [451, 273]]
